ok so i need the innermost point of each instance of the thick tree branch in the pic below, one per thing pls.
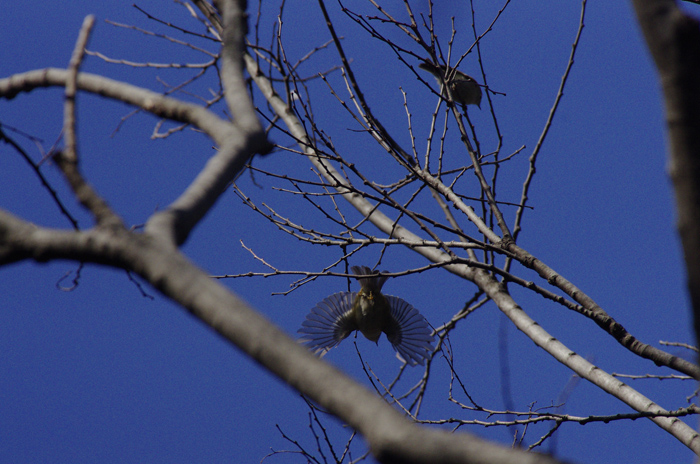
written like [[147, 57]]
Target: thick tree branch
[[391, 437], [246, 137], [673, 39], [232, 78]]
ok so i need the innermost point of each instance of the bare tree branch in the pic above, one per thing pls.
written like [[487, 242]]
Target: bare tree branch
[[673, 39]]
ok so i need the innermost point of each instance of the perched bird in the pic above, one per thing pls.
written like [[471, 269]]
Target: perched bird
[[463, 88], [370, 312]]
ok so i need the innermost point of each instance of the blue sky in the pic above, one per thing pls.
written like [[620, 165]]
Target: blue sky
[[104, 373]]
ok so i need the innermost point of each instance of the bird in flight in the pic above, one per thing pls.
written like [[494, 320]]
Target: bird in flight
[[369, 311]]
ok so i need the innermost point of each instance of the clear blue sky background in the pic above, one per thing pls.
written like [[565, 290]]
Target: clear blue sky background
[[104, 374]]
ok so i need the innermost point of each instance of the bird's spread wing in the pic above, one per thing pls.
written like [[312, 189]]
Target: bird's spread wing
[[329, 322], [409, 332]]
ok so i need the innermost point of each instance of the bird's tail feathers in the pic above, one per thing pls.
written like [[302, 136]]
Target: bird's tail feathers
[[369, 278]]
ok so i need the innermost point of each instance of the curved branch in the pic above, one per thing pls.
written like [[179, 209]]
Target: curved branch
[[153, 102], [237, 143], [68, 159]]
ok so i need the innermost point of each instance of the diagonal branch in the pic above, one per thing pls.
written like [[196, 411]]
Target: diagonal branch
[[602, 318], [547, 126], [482, 279], [391, 437]]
